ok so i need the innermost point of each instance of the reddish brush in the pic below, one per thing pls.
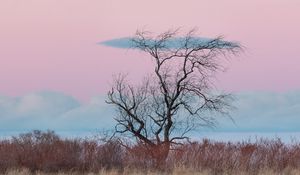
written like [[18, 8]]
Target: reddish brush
[[47, 152]]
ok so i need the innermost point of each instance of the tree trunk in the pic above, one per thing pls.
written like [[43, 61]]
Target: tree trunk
[[160, 154]]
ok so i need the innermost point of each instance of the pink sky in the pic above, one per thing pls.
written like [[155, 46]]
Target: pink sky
[[51, 44]]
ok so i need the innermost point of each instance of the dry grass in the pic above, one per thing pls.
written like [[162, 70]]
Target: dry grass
[[138, 172], [44, 153]]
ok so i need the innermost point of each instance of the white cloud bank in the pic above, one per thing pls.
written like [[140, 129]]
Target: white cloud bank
[[256, 111], [267, 111], [53, 110]]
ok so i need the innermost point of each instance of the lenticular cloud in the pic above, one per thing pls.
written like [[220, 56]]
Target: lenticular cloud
[[127, 42]]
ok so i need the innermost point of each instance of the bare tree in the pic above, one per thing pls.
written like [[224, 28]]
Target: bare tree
[[177, 97]]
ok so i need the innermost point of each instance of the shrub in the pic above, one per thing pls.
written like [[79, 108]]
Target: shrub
[[47, 152]]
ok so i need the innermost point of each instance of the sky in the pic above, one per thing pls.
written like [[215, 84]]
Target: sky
[[49, 53]]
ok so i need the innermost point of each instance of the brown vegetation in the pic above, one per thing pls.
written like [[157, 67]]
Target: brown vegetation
[[46, 152]]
